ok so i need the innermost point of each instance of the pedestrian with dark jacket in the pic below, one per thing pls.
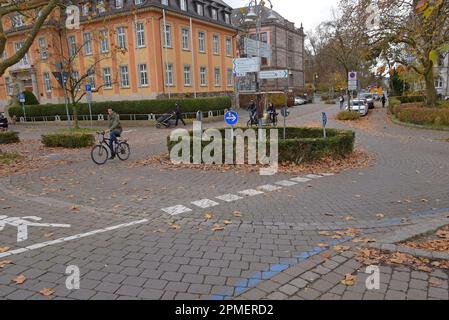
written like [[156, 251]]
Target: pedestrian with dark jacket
[[178, 114], [384, 100], [3, 122]]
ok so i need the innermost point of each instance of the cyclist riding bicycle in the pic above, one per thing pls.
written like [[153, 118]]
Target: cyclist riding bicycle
[[115, 129]]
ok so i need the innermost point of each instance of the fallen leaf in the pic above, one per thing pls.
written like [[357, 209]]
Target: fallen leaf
[[227, 222], [3, 263], [325, 233], [175, 226], [237, 214], [74, 208], [326, 255], [380, 216], [349, 280], [46, 292], [48, 235], [208, 216], [341, 249], [322, 245], [349, 218], [20, 279], [425, 269], [217, 227], [436, 283], [4, 249]]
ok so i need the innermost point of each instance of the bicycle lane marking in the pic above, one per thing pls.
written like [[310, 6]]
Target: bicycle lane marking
[[71, 238]]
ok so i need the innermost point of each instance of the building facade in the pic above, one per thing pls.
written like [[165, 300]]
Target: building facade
[[127, 50], [287, 43], [442, 75]]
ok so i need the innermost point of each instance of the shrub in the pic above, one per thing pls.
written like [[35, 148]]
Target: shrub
[[30, 98], [409, 99], [422, 115], [348, 115], [138, 107], [302, 145], [9, 137], [392, 103], [9, 157], [68, 140]]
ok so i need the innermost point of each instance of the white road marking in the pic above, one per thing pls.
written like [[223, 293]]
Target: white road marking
[[286, 183], [300, 179], [229, 198], [269, 188], [313, 176], [66, 239], [173, 211], [205, 203], [250, 192]]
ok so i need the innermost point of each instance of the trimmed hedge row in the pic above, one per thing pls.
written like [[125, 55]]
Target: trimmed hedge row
[[422, 115], [410, 99], [348, 115], [302, 145], [142, 107], [68, 140], [9, 137]]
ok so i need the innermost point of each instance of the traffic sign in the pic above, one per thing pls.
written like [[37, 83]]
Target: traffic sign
[[285, 112], [231, 118], [246, 65], [274, 74], [352, 75], [88, 88], [22, 97], [324, 116]]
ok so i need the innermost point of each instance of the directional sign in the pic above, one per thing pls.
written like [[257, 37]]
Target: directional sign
[[252, 48], [231, 118], [22, 97], [246, 65], [324, 119], [274, 74]]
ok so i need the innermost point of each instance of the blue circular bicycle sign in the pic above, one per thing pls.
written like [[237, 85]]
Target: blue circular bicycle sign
[[231, 118]]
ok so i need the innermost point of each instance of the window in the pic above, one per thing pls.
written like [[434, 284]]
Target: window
[[227, 18], [87, 44], [264, 37], [118, 4], [100, 6], [75, 78], [25, 60], [164, 2], [187, 79], [200, 9], [169, 74], [17, 21], [217, 77], [8, 86], [121, 38], [43, 48], [72, 46], [214, 13], [290, 44], [85, 9], [202, 41], [143, 75], [228, 47], [107, 78], [140, 35], [138, 2], [47, 82], [229, 77], [167, 36], [439, 83], [185, 35], [203, 76], [216, 44], [104, 42], [183, 5], [124, 77], [290, 62], [91, 78]]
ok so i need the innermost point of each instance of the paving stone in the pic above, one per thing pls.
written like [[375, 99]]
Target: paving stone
[[415, 294], [277, 296], [299, 283], [288, 289]]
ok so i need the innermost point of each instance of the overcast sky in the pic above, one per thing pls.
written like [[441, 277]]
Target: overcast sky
[[308, 12]]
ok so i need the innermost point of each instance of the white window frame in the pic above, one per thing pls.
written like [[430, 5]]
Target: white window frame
[[227, 18], [169, 75], [185, 38], [101, 7], [164, 2], [202, 42], [167, 30], [229, 77], [17, 21], [47, 82], [76, 77], [118, 4], [43, 48], [229, 47], [121, 37], [8, 86], [87, 40], [138, 2], [72, 45], [91, 78], [217, 79], [200, 9], [214, 13], [203, 76], [142, 69], [124, 77], [183, 5], [439, 82], [216, 44], [104, 41], [187, 75], [140, 34], [107, 78]]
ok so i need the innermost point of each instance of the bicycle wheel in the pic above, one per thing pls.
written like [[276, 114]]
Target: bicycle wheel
[[123, 151], [99, 154]]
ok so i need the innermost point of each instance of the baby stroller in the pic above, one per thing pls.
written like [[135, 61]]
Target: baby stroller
[[166, 121]]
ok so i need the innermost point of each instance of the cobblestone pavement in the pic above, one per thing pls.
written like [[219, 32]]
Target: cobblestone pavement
[[139, 232]]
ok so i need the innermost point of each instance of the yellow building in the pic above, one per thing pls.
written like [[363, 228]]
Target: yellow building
[[123, 50]]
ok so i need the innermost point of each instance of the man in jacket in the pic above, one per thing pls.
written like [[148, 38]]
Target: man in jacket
[[115, 129], [178, 113]]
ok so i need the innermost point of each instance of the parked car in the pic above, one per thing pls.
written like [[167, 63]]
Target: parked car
[[358, 105], [299, 101], [446, 98], [369, 100]]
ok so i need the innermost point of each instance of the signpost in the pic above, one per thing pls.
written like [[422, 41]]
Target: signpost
[[352, 81], [324, 116], [22, 101], [62, 77], [285, 112], [273, 74], [231, 118], [89, 100], [242, 66], [252, 48]]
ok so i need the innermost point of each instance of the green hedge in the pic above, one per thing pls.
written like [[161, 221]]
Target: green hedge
[[30, 98], [302, 145], [142, 107], [410, 99], [422, 115], [9, 137], [68, 140], [348, 115]]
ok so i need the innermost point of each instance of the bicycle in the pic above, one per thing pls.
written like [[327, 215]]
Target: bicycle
[[100, 153]]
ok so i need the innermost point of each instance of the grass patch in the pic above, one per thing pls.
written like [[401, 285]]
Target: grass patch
[[9, 137], [7, 158], [68, 140], [79, 130], [348, 116]]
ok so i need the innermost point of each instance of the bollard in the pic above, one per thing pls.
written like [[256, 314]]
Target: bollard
[[57, 118]]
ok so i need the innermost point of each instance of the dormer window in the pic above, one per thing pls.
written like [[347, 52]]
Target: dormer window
[[101, 7], [200, 9], [85, 9], [214, 13], [183, 5], [138, 2], [17, 21], [118, 4], [164, 2], [227, 18]]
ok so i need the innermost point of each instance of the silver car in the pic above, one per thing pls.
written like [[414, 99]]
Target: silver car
[[359, 106]]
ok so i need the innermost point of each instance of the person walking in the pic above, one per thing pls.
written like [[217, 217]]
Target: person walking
[[115, 130], [178, 114], [384, 100], [342, 101], [3, 122]]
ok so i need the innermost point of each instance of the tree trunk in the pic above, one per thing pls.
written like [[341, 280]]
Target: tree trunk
[[431, 92], [75, 116]]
